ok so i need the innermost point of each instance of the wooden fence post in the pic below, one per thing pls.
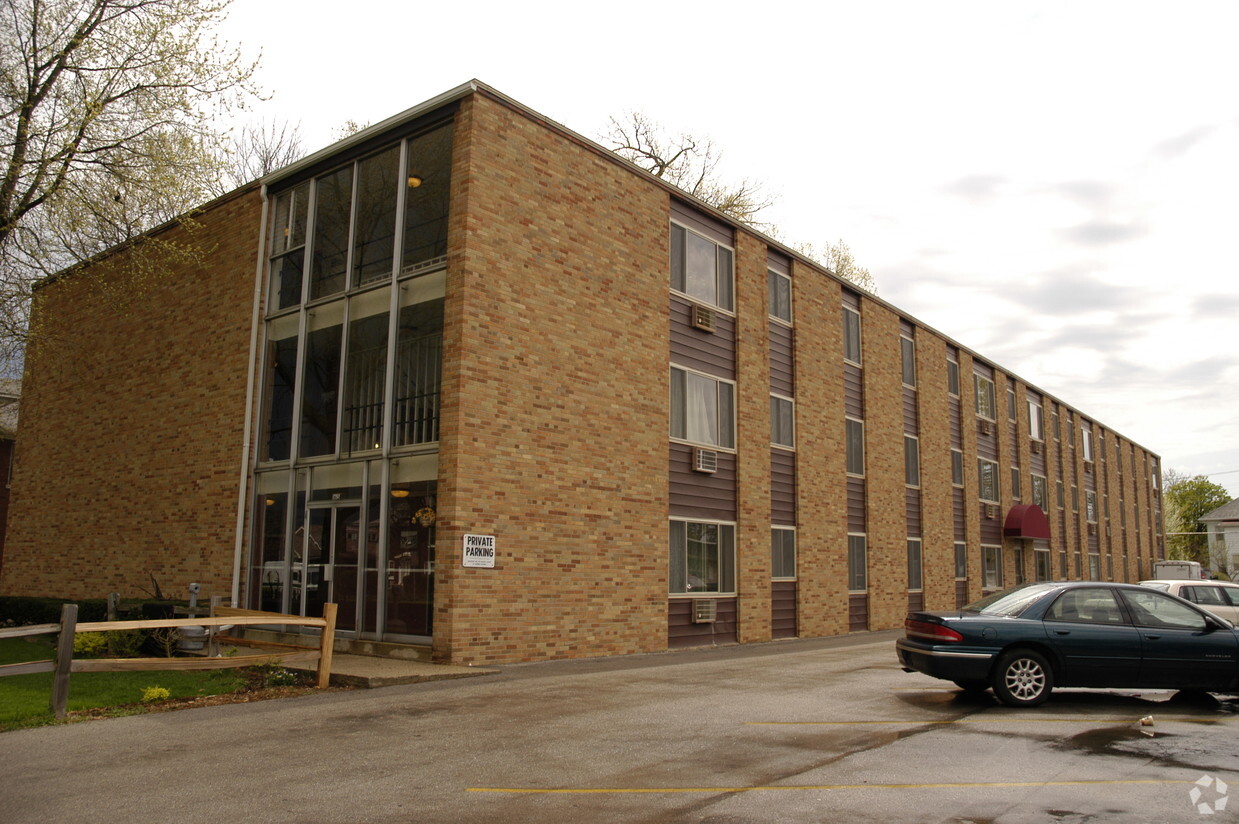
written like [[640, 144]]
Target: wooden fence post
[[64, 660], [328, 645], [213, 631]]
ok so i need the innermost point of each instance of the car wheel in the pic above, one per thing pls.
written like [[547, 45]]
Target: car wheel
[[972, 686], [1023, 679]]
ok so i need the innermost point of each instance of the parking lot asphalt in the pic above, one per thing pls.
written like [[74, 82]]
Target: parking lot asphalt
[[809, 730]]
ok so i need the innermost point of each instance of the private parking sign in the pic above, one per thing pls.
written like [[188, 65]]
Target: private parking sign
[[479, 551]]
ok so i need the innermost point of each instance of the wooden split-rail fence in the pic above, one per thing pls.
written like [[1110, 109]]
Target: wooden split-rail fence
[[65, 664]]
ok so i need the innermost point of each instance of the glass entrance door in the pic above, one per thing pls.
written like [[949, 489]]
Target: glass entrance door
[[332, 540]]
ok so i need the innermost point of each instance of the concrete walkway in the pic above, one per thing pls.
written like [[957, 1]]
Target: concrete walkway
[[372, 671]]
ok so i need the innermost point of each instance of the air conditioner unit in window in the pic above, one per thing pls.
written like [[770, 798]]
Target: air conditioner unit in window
[[990, 511], [705, 460], [703, 318], [705, 611], [1035, 447], [1092, 529], [1088, 466], [985, 427]]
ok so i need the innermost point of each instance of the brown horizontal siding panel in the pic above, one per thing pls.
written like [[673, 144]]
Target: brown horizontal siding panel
[[713, 353], [960, 512], [1036, 460], [853, 392], [911, 424], [858, 612], [991, 530], [783, 609], [851, 299], [987, 445], [682, 632], [916, 601], [912, 510], [778, 262], [782, 360], [856, 504], [983, 369], [700, 494], [702, 223], [906, 328], [782, 487]]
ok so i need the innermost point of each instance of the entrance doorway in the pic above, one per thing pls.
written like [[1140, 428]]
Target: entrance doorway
[[330, 554]]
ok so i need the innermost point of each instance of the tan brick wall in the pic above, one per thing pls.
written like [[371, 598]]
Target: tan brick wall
[[555, 401], [937, 505], [129, 452], [753, 439]]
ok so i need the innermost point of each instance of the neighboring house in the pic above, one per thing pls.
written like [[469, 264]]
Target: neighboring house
[[10, 394], [499, 393], [1222, 526]]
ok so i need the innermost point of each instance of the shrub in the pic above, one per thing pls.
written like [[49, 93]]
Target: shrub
[[152, 694], [273, 675], [118, 644]]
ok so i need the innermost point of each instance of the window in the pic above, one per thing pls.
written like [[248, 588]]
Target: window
[[1057, 431], [987, 475], [702, 409], [914, 564], [1043, 564], [700, 268], [1015, 482], [1038, 491], [287, 246], [1086, 606], [985, 396], [1157, 609], [1090, 506], [957, 467], [961, 561], [851, 335], [911, 461], [782, 553], [1075, 498], [855, 446], [991, 567], [856, 563], [703, 558], [1035, 429], [907, 354], [1086, 441], [780, 288], [952, 378], [1011, 404], [1059, 488], [782, 422]]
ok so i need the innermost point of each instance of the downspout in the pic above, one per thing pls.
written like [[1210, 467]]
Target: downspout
[[243, 486]]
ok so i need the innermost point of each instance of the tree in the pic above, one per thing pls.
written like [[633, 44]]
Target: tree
[[107, 128], [688, 162], [257, 150], [1185, 501], [691, 163]]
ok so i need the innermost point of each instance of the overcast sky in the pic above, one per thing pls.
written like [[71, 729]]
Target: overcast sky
[[1051, 184]]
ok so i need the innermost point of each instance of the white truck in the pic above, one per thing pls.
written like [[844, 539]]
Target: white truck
[[1177, 570]]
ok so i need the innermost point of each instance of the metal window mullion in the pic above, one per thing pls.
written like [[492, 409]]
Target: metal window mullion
[[380, 560], [303, 348], [352, 227], [342, 378]]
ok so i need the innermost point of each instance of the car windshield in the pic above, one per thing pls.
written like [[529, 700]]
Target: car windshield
[[1010, 602]]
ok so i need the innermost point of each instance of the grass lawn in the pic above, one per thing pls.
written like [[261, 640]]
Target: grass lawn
[[25, 700]]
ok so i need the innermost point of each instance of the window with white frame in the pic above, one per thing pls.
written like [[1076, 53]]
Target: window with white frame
[[991, 567], [961, 561], [701, 268], [703, 558], [1086, 441], [1038, 490], [702, 409], [1015, 482], [1090, 506], [957, 467], [1036, 430], [782, 422], [1011, 403], [1075, 498], [984, 396], [911, 461], [1062, 501], [782, 553], [855, 446], [857, 563], [1043, 566], [907, 356], [780, 295], [1057, 430], [987, 480], [915, 581], [851, 335], [952, 378]]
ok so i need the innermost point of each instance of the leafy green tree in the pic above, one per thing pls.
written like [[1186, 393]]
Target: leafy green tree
[[108, 113], [1185, 501]]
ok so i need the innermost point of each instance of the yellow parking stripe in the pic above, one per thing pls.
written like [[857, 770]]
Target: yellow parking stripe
[[996, 720], [819, 787]]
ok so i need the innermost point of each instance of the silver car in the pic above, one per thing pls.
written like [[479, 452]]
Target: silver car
[[1219, 597]]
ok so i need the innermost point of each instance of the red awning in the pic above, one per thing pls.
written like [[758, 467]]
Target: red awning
[[1026, 521]]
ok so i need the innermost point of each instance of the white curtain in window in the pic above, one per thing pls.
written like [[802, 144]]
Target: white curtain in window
[[701, 409]]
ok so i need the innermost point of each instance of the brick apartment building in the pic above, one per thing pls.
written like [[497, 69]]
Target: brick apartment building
[[497, 392]]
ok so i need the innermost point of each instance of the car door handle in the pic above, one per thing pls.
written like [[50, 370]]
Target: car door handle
[[1153, 637], [1062, 632]]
